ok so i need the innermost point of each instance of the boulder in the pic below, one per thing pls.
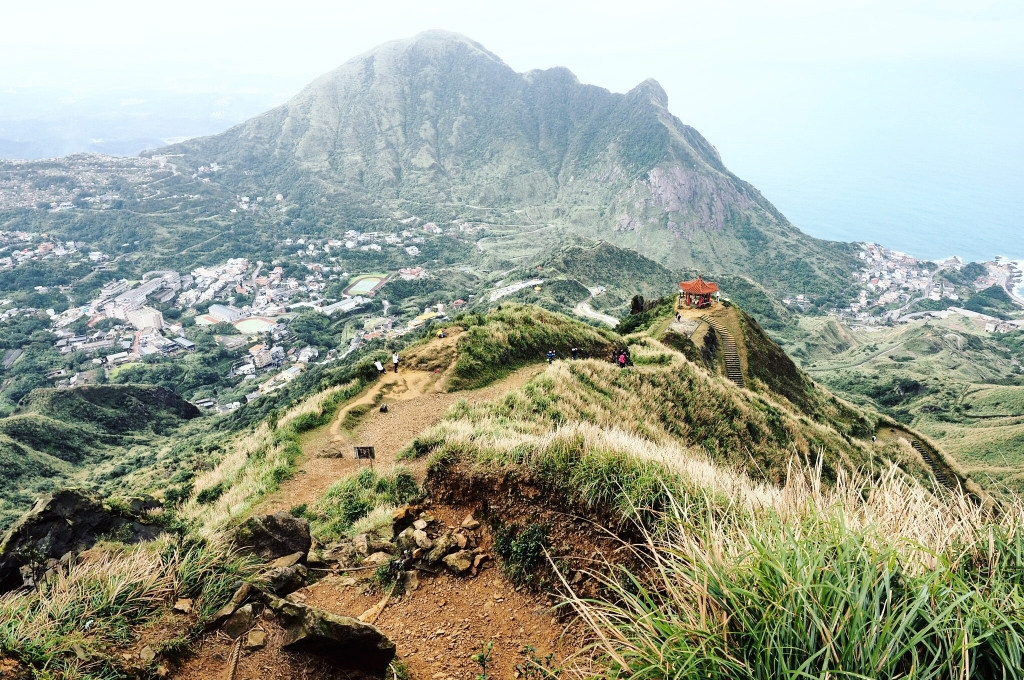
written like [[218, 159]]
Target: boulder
[[421, 539], [242, 594], [470, 523], [286, 561], [344, 554], [406, 540], [367, 545], [240, 622], [60, 526], [285, 580], [274, 536], [443, 544], [342, 641], [403, 517], [256, 639], [459, 562]]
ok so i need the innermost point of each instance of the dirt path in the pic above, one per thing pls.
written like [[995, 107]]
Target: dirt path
[[415, 401], [436, 628]]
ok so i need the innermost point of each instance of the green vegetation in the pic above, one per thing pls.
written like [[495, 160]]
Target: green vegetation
[[832, 584], [511, 335], [368, 496], [521, 550], [992, 301], [122, 588]]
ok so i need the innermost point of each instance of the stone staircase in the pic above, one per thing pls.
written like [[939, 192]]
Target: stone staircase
[[933, 462], [732, 357]]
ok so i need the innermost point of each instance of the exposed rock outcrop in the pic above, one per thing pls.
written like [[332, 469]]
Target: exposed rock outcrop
[[274, 536]]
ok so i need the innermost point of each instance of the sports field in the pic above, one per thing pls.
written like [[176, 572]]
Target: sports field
[[254, 324], [365, 284]]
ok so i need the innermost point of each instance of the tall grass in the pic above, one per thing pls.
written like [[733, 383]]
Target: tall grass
[[857, 581], [67, 627]]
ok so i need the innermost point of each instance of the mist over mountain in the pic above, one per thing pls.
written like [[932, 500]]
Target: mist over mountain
[[437, 122]]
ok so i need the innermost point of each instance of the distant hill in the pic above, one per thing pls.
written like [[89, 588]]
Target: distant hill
[[58, 435], [438, 126]]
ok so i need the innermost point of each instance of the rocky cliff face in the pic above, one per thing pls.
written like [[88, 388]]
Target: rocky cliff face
[[437, 119]]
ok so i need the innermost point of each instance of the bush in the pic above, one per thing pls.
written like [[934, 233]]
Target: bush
[[521, 550]]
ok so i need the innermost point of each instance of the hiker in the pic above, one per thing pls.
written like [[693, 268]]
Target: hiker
[[441, 334], [394, 360], [575, 351], [622, 360], [874, 437], [679, 316], [380, 368], [551, 356]]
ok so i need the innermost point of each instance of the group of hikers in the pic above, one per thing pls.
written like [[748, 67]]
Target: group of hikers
[[620, 356]]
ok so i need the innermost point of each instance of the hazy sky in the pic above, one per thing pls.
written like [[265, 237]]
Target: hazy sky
[[198, 44], [852, 116]]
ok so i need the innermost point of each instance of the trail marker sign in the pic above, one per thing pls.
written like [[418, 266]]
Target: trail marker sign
[[365, 453]]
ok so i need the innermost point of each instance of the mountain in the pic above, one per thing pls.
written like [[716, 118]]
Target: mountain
[[438, 126]]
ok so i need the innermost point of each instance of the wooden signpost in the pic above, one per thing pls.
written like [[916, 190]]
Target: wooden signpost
[[365, 453]]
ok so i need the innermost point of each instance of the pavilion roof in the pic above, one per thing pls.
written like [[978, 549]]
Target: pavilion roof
[[699, 286]]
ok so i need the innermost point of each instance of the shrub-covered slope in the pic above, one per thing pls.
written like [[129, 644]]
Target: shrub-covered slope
[[57, 435]]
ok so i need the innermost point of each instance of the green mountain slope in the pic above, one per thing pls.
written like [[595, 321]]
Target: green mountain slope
[[76, 436], [440, 127]]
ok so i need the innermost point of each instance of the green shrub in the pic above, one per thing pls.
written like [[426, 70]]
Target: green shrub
[[521, 550]]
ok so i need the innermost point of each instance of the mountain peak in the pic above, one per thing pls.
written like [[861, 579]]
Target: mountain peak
[[652, 90], [433, 41]]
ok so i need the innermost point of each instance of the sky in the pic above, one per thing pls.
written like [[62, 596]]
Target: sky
[[895, 121]]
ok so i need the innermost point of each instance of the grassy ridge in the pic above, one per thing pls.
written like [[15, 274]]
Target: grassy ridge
[[507, 337]]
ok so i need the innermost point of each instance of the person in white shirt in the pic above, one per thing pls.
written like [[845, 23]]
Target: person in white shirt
[[394, 360]]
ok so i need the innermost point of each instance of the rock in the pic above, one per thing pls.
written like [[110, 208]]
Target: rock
[[182, 606], [284, 580], [237, 600], [256, 639], [378, 558], [479, 559], [366, 545], [459, 562], [80, 653], [417, 553], [315, 560], [342, 641], [344, 554], [410, 581], [66, 522], [470, 523], [274, 536], [362, 544], [420, 524], [406, 540], [462, 540], [287, 561], [427, 516], [239, 622], [147, 655], [443, 544], [422, 540], [140, 505], [401, 518]]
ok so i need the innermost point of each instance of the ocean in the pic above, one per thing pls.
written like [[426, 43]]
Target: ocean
[[926, 159]]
